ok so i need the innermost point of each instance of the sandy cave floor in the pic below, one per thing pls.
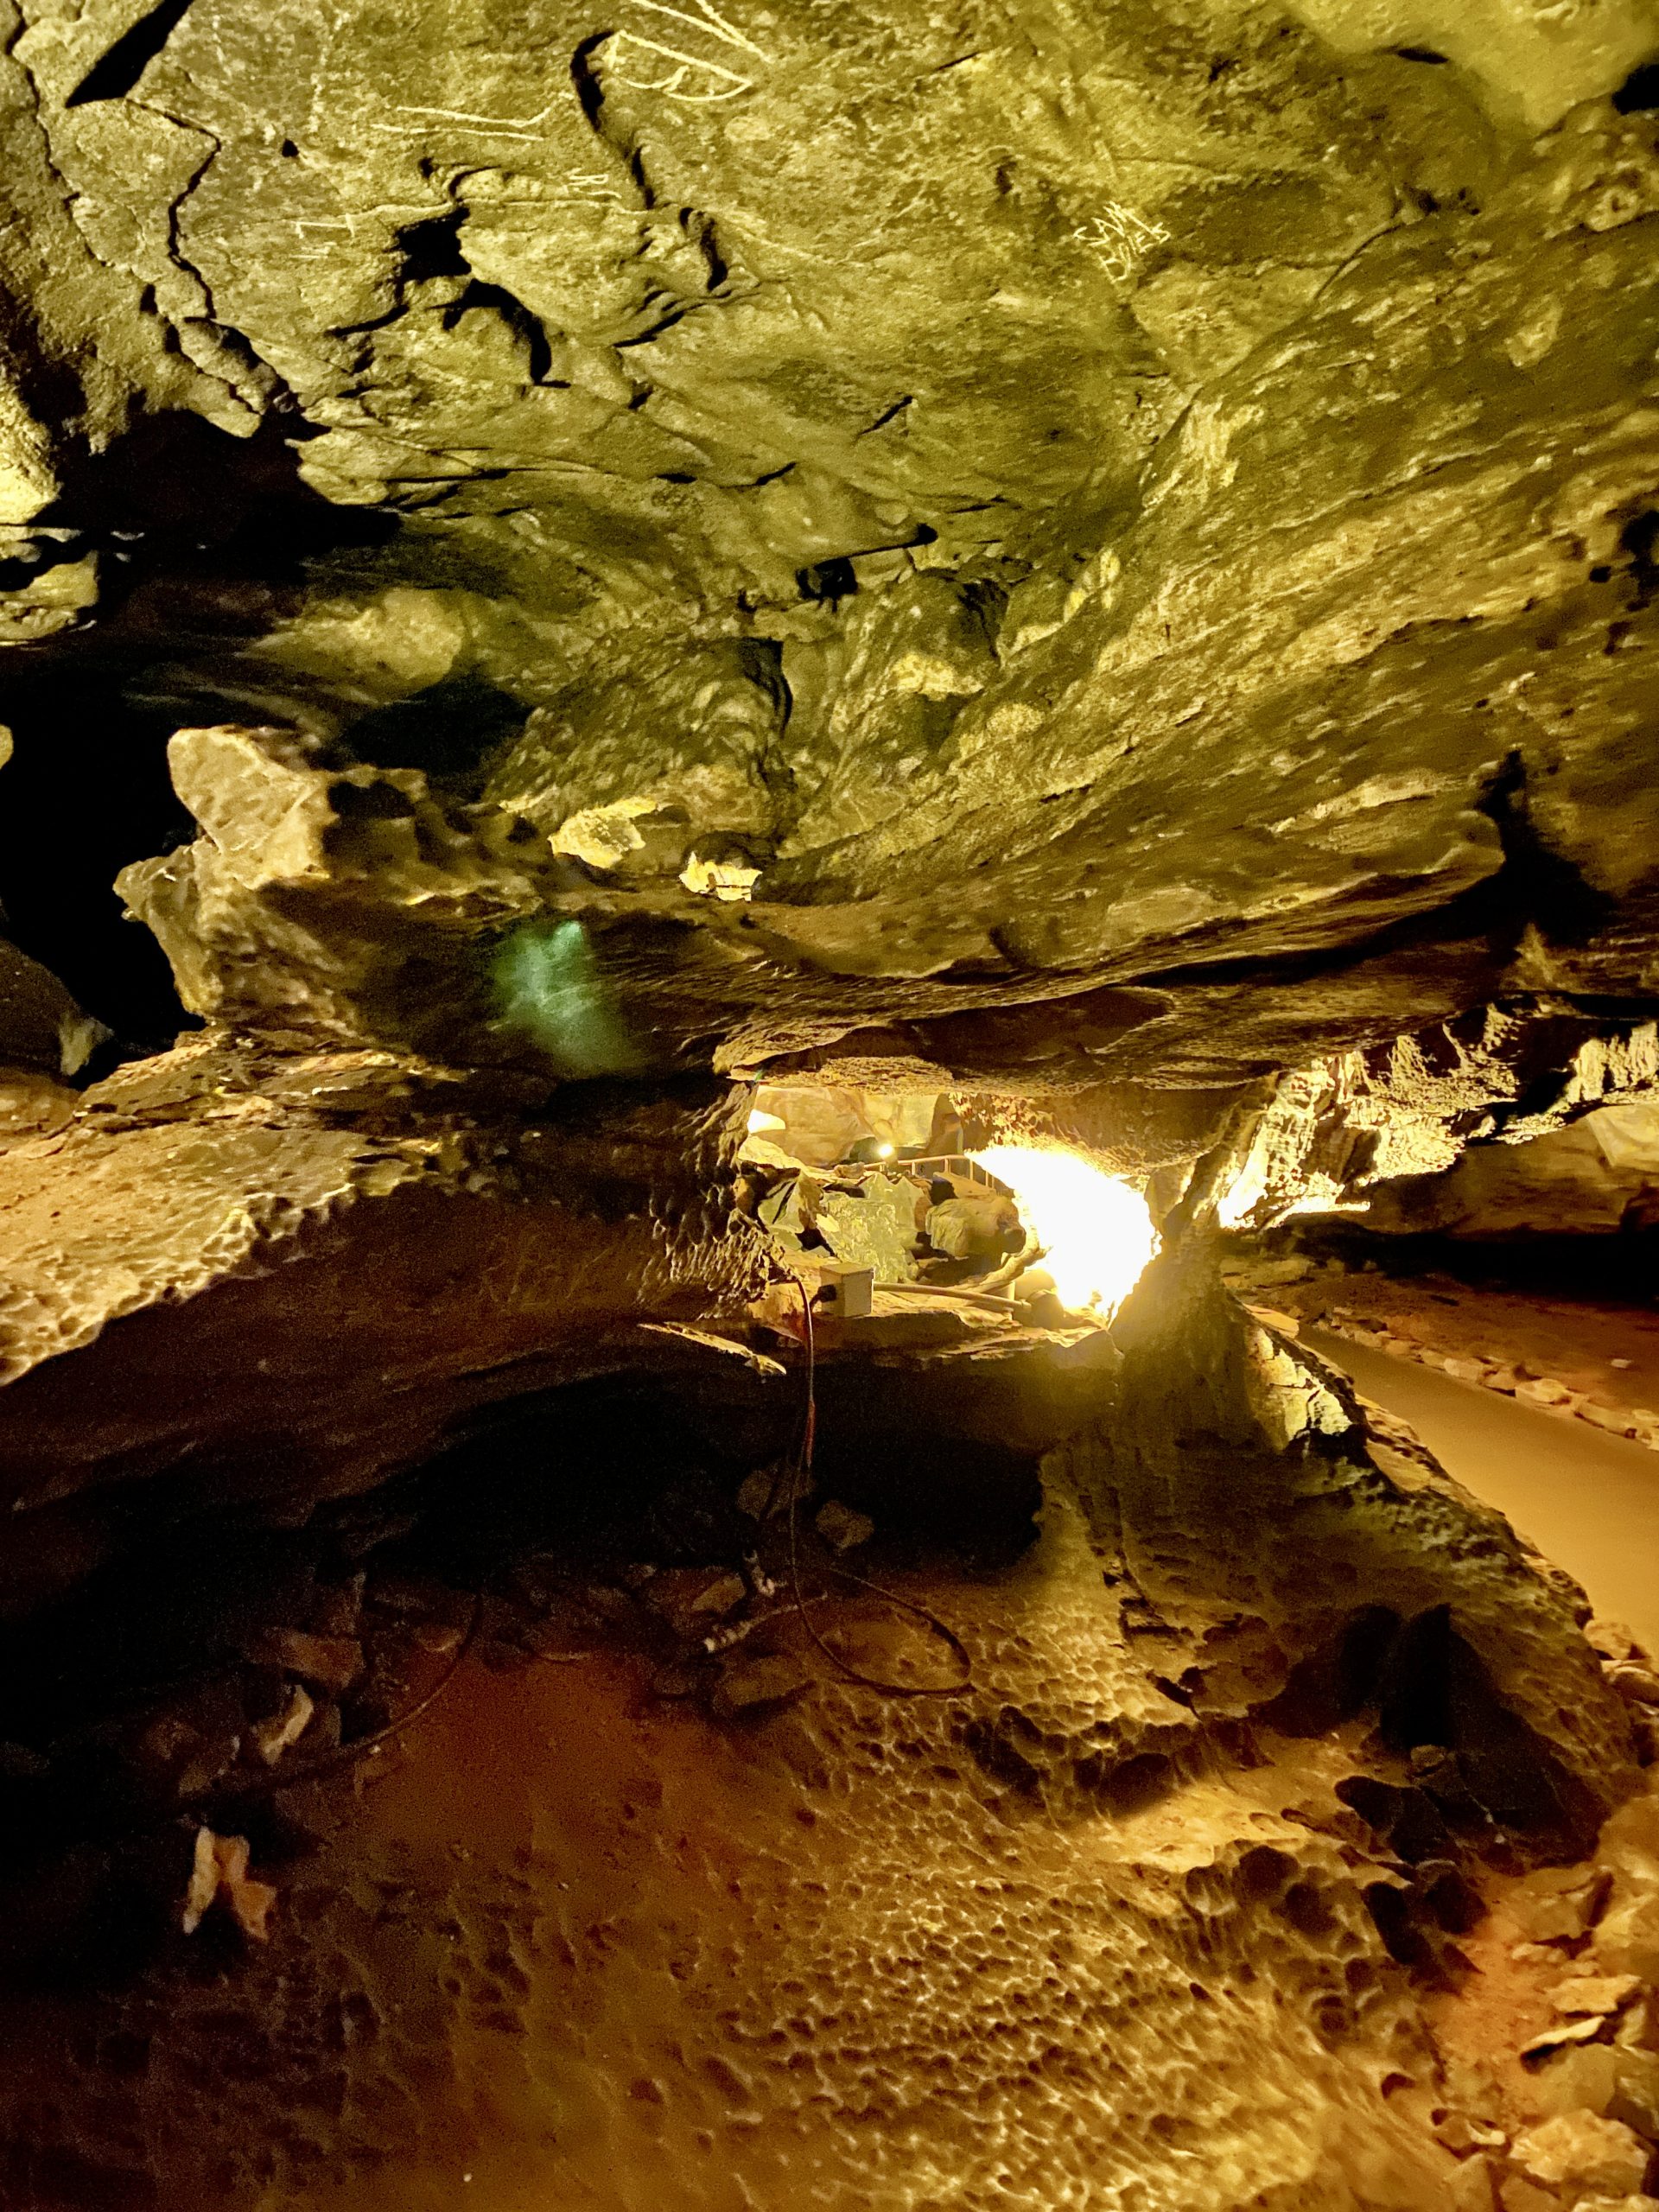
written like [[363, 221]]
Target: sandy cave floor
[[572, 1939], [570, 1942], [586, 1947]]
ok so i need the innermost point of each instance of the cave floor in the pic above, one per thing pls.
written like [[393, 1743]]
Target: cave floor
[[566, 1942], [1588, 1501], [1576, 1339]]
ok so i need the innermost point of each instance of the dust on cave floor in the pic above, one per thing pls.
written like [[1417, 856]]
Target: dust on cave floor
[[568, 1945], [581, 1935]]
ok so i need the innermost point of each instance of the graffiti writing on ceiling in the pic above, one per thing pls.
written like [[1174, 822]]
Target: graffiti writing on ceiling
[[690, 54]]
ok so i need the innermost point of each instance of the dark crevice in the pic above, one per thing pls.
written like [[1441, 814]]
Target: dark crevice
[[204, 541], [432, 250], [1339, 1680], [887, 415], [87, 791], [116, 73], [1639, 93], [448, 731], [526, 326], [584, 75], [827, 582], [173, 485], [1640, 539], [1434, 1691], [1535, 882]]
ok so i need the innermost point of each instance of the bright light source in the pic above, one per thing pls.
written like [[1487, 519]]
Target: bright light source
[[1096, 1231], [762, 1123], [883, 1152]]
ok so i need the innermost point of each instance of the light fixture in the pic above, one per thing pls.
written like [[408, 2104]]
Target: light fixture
[[1095, 1230]]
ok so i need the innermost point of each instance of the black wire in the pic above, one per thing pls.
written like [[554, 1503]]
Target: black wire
[[799, 1476], [288, 1777]]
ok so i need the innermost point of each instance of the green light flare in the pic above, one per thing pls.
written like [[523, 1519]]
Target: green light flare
[[548, 984]]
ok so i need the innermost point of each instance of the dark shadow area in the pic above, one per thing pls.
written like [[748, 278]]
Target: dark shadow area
[[1477, 1761], [204, 541], [86, 792], [448, 731], [116, 73], [136, 1696], [174, 483], [1620, 1270], [1478, 1774], [1639, 93]]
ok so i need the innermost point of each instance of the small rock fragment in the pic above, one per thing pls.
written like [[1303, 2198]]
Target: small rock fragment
[[271, 1738], [841, 1527], [1638, 2023], [440, 1638], [1516, 2194], [1461, 2135], [1611, 1639], [1560, 1911], [691, 1597], [1636, 1685], [330, 1662], [220, 1869], [1545, 1390], [555, 1639], [1628, 1940], [1613, 1419], [1563, 2038], [1595, 1995]]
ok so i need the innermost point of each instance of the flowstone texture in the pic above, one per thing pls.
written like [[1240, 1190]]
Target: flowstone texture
[[569, 1948]]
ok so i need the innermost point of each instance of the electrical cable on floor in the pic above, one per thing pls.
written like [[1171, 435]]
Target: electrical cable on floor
[[799, 1474], [347, 1755]]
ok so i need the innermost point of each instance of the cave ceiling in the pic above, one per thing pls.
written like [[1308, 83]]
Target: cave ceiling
[[1120, 537]]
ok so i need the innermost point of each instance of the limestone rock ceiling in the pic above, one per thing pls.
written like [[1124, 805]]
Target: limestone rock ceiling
[[1147, 506]]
